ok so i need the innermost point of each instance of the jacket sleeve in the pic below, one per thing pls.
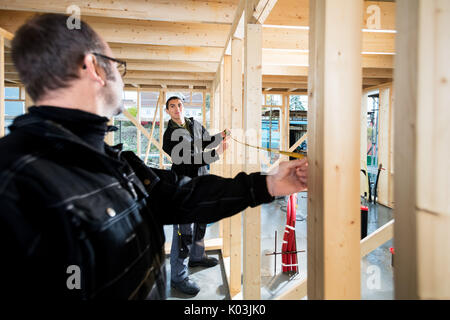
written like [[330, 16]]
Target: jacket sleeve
[[205, 199], [198, 159]]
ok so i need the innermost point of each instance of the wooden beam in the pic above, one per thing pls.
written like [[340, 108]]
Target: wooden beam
[[333, 152], [157, 10], [236, 18], [263, 9], [165, 53], [274, 57], [139, 31], [296, 13], [171, 66], [166, 82], [159, 104], [210, 245], [422, 202], [226, 123], [297, 39], [367, 245], [198, 76], [237, 159], [252, 128], [384, 147], [377, 238]]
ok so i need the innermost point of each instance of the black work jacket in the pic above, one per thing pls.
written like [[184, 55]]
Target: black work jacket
[[64, 205], [187, 148]]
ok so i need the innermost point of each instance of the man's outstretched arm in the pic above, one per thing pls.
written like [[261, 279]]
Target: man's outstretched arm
[[205, 199]]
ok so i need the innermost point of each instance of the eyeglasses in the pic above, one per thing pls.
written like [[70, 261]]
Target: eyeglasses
[[120, 64]]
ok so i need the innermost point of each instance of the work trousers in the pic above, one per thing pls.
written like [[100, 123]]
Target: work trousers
[[188, 241]]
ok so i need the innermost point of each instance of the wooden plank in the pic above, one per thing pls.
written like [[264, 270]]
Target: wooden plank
[[226, 123], [171, 66], [157, 10], [236, 18], [210, 245], [433, 153], [139, 31], [161, 82], [161, 133], [384, 146], [297, 292], [333, 152], [363, 182], [367, 245], [138, 118], [405, 117], [162, 75], [377, 238], [296, 13], [159, 105], [297, 39], [272, 57], [237, 159], [252, 127], [263, 9], [165, 53]]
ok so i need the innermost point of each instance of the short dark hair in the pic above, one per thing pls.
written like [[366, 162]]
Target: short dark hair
[[48, 55], [172, 98]]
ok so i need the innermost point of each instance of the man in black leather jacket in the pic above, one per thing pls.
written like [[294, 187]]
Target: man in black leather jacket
[[78, 218]]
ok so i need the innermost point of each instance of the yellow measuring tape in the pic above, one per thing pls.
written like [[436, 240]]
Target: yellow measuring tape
[[298, 155]]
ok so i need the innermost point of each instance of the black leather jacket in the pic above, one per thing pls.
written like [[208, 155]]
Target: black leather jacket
[[64, 203], [187, 149]]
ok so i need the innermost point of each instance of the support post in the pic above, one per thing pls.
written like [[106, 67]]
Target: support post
[[138, 117], [237, 158], [161, 130], [252, 128], [335, 82], [421, 115], [226, 121]]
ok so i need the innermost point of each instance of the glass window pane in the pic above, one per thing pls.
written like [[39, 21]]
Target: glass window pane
[[274, 100], [298, 102], [12, 93], [14, 108]]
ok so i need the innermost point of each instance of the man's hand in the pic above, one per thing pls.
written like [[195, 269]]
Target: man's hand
[[225, 133], [291, 177], [222, 147]]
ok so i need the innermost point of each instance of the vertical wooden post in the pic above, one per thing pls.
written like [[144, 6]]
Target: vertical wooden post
[[363, 184], [284, 125], [422, 114], [335, 76], [138, 117], [252, 128], [2, 86], [237, 161], [384, 145], [204, 108], [226, 121], [161, 129]]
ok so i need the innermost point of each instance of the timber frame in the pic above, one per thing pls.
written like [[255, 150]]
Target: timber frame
[[235, 51]]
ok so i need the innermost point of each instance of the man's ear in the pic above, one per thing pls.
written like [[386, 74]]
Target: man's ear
[[91, 68]]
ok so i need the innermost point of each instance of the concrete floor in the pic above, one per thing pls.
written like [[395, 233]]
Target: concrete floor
[[376, 270]]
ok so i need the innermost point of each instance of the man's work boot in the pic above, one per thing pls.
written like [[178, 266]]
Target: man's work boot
[[206, 262], [186, 286]]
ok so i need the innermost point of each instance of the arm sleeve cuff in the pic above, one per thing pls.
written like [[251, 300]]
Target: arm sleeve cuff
[[258, 190]]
